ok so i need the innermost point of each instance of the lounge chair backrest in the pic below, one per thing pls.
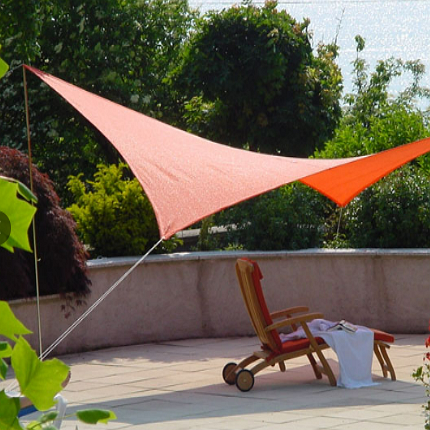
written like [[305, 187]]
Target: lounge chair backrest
[[249, 276]]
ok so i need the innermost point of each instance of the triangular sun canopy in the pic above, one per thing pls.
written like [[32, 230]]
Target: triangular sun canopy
[[187, 178]]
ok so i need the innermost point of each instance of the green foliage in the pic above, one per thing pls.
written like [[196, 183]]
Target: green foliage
[[38, 380], [9, 408], [336, 241], [249, 78], [372, 91], [19, 28], [113, 214], [95, 416], [118, 49], [393, 125], [373, 121], [393, 213], [288, 218], [207, 241], [10, 326]]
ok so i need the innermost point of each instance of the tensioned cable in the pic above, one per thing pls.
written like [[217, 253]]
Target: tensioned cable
[[48, 350], [96, 303]]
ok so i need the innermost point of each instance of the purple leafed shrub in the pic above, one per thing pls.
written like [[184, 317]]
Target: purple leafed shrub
[[62, 257]]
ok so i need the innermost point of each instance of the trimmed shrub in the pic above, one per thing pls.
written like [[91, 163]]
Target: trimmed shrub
[[113, 214]]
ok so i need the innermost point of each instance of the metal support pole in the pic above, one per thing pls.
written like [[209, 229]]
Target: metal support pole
[[30, 162]]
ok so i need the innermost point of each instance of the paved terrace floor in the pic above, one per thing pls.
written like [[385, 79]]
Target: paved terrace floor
[[178, 385]]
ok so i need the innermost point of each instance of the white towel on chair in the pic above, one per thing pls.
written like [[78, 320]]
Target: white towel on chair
[[354, 351]]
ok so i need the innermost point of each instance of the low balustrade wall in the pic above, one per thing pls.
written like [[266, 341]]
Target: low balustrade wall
[[194, 295]]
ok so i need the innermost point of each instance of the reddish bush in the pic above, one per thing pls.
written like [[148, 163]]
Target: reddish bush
[[62, 257]]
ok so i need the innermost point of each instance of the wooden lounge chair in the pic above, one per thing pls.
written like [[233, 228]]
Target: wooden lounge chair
[[273, 350]]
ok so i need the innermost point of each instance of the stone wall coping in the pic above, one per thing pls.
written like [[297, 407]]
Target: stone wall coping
[[209, 255]]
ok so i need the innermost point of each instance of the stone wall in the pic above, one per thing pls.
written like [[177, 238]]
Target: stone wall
[[194, 295]]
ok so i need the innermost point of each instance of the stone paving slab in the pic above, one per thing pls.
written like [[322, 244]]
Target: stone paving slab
[[178, 385]]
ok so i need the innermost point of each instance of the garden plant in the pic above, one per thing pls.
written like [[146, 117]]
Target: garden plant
[[422, 374], [39, 381], [62, 257]]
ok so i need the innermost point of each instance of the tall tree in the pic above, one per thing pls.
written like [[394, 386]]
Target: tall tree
[[249, 78], [120, 50]]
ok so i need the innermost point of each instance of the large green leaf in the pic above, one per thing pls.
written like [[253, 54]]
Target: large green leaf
[[3, 368], [44, 422], [9, 408], [22, 189], [94, 416], [5, 349], [18, 212], [10, 326], [39, 380], [3, 68]]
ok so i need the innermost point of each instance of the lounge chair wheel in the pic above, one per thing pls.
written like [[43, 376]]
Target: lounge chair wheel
[[229, 379], [244, 380]]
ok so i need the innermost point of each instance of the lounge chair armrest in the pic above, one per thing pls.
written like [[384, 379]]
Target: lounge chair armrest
[[296, 320], [287, 312]]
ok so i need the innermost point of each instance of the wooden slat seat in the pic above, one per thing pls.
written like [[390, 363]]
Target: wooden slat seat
[[273, 350]]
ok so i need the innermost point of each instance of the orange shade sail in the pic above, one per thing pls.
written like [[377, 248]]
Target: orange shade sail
[[188, 178], [344, 182]]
